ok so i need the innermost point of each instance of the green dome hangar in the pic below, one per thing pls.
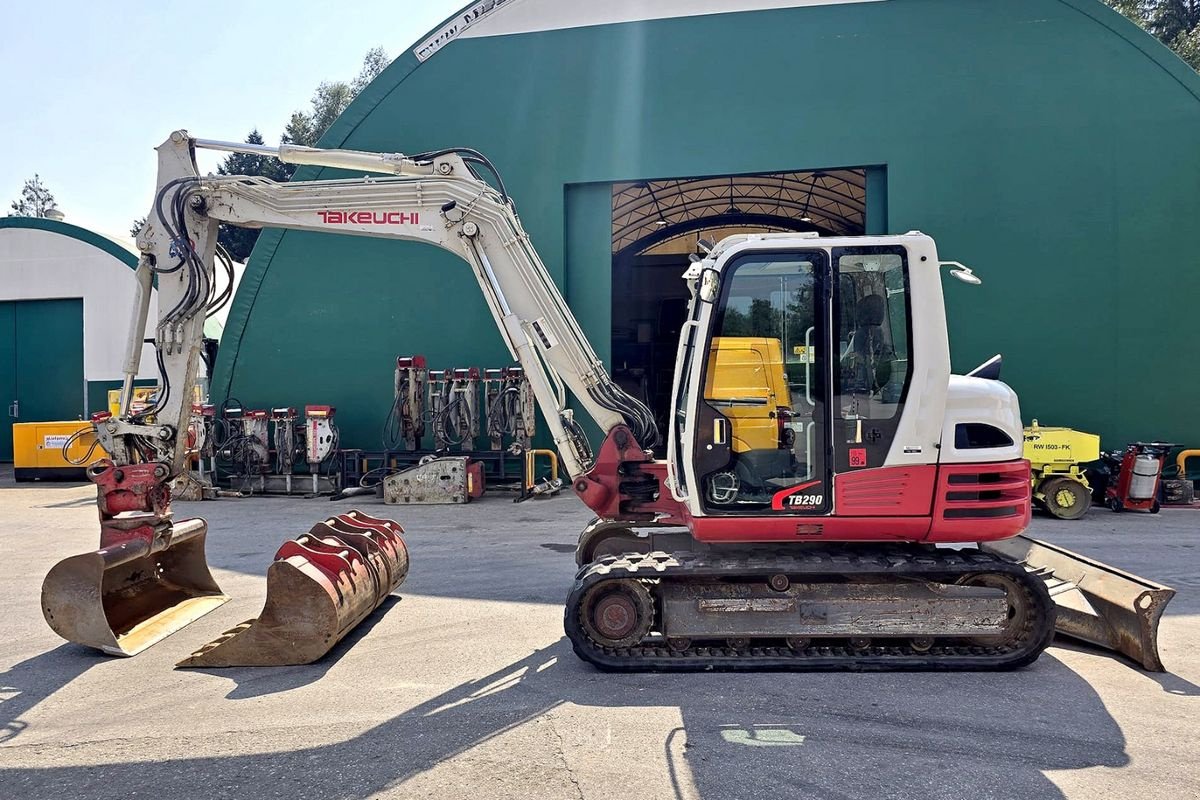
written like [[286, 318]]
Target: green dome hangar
[[1050, 144]]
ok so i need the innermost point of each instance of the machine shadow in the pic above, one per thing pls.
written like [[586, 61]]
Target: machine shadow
[[28, 683], [80, 502], [1170, 682], [253, 682], [813, 735]]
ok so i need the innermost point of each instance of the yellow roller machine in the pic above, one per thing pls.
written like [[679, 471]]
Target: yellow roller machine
[[1056, 456]]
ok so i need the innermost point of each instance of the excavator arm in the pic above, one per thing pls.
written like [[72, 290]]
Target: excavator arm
[[437, 199]]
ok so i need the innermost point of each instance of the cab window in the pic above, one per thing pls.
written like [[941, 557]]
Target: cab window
[[873, 326]]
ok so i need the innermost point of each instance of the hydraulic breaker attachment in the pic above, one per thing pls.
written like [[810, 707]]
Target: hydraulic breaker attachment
[[148, 579], [319, 587], [436, 481], [1096, 603]]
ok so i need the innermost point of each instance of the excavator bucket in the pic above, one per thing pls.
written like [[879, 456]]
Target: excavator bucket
[[319, 587], [134, 592], [1096, 603]]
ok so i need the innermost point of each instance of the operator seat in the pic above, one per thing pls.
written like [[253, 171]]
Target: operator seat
[[867, 365]]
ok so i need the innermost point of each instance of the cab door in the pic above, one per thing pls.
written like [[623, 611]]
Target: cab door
[[872, 321], [755, 434]]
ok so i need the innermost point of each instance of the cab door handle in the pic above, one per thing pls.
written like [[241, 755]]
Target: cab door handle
[[14, 409], [720, 430]]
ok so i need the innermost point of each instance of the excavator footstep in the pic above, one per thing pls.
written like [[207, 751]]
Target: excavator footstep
[[319, 587], [1096, 603], [127, 596]]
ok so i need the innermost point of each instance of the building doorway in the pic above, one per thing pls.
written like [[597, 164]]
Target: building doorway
[[656, 225], [41, 364]]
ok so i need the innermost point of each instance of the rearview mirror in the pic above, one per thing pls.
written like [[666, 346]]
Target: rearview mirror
[[963, 273], [710, 285]]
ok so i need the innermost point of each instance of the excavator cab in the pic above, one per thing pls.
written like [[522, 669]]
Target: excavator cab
[[814, 403]]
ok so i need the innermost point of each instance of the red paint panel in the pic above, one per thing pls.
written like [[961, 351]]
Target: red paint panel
[[809, 529], [981, 502], [971, 503], [885, 492], [619, 460]]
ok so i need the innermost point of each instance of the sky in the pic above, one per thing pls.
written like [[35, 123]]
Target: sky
[[88, 89]]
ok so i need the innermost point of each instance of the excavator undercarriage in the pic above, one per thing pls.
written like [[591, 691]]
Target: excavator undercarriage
[[876, 607], [865, 608]]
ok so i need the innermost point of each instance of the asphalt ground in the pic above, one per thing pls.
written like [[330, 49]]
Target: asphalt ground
[[464, 686]]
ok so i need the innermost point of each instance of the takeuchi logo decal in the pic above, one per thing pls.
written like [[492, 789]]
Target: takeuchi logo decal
[[455, 27], [370, 217]]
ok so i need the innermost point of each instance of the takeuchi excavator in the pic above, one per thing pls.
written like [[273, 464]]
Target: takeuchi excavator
[[827, 494]]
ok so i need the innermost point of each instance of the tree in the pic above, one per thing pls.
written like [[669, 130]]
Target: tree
[[328, 102], [1187, 45], [240, 241], [1176, 23], [136, 227], [1130, 8], [252, 163], [374, 62], [330, 99], [35, 200]]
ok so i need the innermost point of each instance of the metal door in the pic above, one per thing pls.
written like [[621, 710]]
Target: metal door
[[41, 363], [8, 378]]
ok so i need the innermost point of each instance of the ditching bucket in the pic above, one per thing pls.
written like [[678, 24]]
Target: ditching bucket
[[139, 588], [1096, 603], [318, 588]]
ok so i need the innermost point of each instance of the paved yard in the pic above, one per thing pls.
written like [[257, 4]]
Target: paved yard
[[465, 687]]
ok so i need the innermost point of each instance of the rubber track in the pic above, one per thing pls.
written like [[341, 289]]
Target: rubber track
[[895, 563]]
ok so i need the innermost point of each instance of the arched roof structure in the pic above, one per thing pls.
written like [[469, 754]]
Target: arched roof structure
[[1050, 143], [113, 248]]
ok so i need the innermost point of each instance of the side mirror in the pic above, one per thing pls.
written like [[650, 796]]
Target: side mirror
[[710, 285], [963, 273]]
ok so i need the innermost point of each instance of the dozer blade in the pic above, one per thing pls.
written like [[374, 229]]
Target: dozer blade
[[1096, 603], [319, 587], [125, 597]]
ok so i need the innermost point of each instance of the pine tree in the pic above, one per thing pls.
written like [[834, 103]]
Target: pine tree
[[240, 241], [35, 200]]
